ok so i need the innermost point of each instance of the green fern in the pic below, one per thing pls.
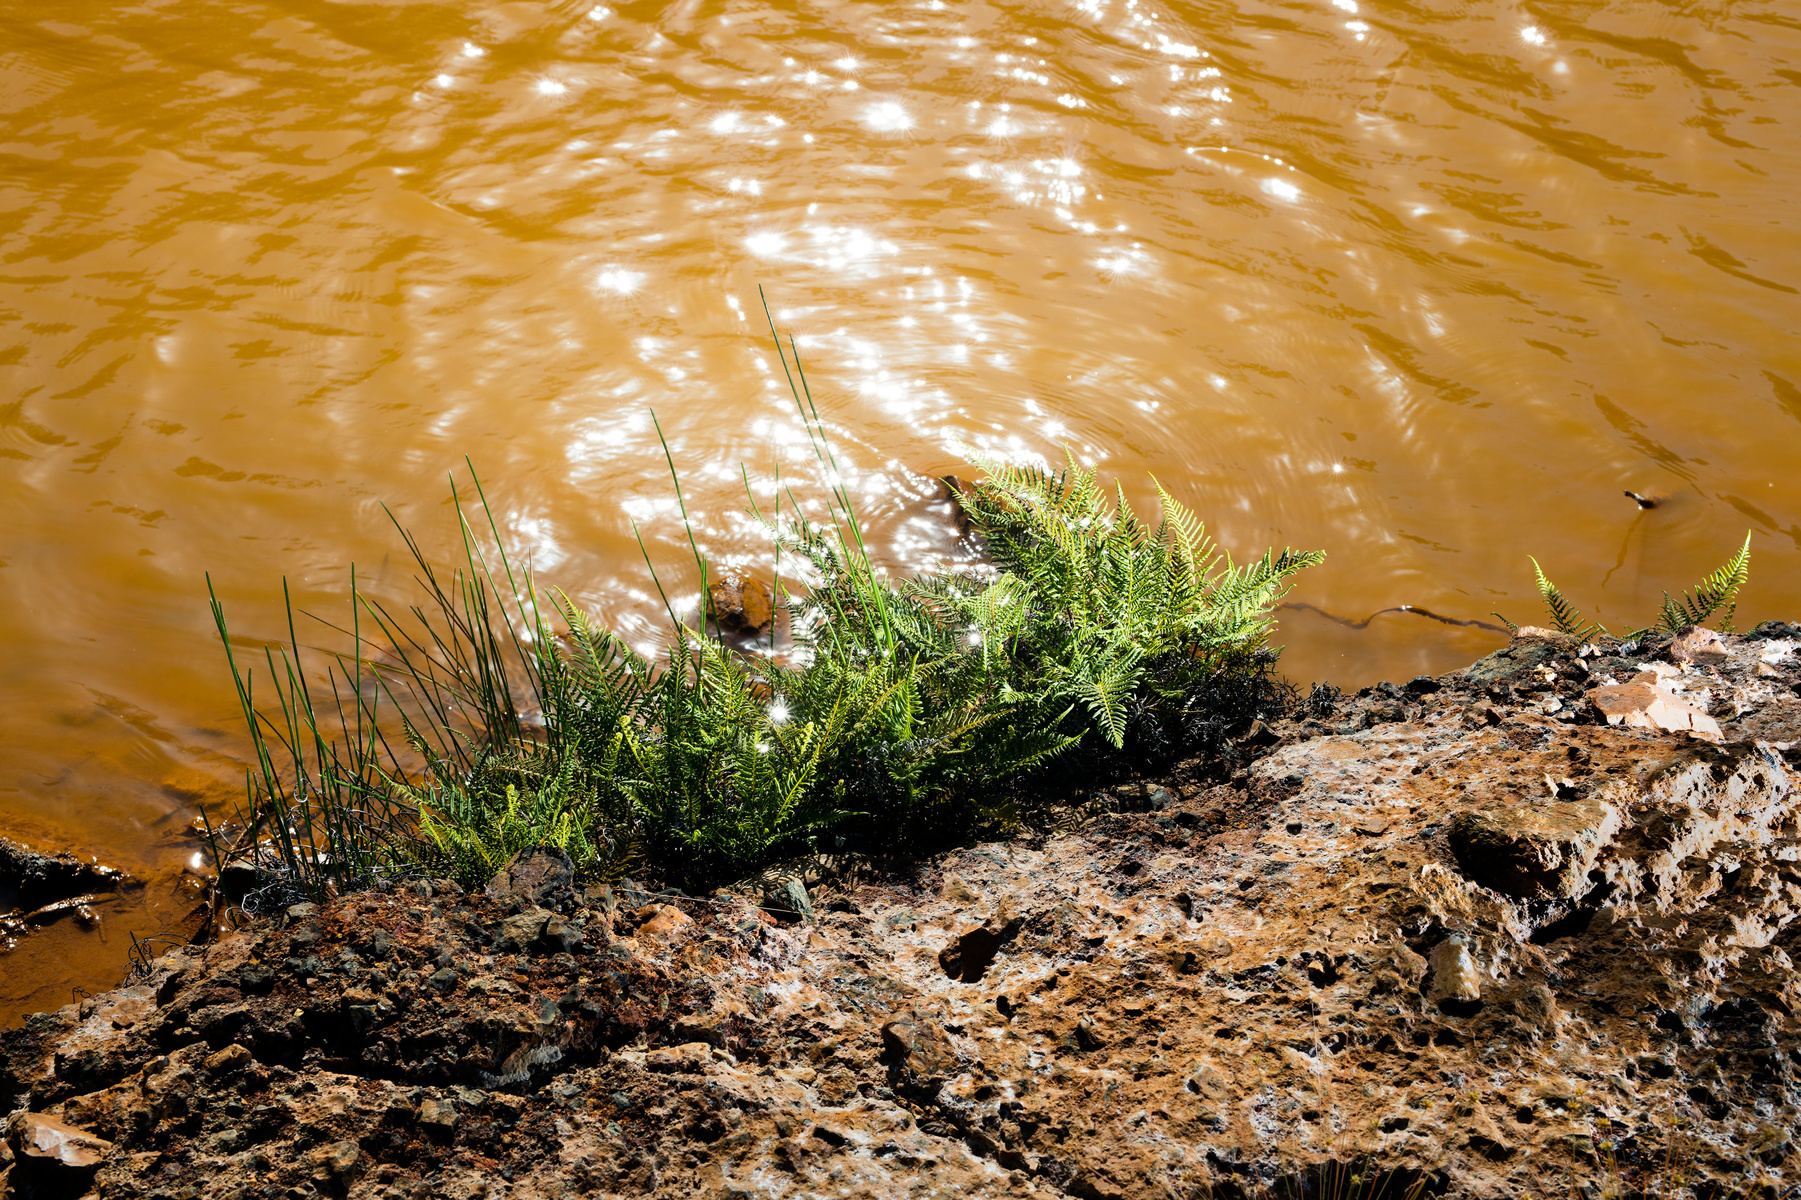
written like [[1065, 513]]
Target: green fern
[[1565, 617], [1719, 590]]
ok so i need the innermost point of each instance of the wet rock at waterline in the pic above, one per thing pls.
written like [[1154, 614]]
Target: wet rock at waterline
[[30, 879], [1467, 933], [741, 603], [38, 889]]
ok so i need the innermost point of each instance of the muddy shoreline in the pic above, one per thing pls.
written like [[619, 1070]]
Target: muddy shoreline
[[1461, 933]]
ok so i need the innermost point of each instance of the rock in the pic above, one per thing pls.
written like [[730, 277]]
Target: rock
[[36, 879], [1534, 851], [967, 958], [918, 1046], [522, 931], [1693, 644], [1520, 660], [787, 899], [39, 1141], [1202, 1001], [837, 1087], [663, 921], [1453, 976], [958, 892], [742, 603], [1648, 706], [599, 897], [538, 877], [339, 1159], [439, 1115], [691, 1058]]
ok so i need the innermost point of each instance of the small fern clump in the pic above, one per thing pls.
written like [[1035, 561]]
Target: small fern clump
[[1717, 593]]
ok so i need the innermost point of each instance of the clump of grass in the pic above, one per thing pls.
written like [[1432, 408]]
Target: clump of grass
[[909, 711]]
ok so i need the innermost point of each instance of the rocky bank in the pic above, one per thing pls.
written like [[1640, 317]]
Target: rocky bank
[[1459, 937]]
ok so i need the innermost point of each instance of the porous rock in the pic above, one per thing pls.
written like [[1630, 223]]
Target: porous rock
[[1274, 974]]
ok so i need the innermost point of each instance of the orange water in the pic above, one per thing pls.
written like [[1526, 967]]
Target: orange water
[[1425, 286]]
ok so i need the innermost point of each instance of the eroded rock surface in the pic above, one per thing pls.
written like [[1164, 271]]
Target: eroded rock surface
[[1462, 930]]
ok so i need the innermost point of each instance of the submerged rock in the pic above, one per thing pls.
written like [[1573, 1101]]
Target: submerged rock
[[741, 603], [31, 879]]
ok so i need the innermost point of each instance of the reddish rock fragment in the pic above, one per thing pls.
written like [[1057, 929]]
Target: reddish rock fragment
[[34, 1136]]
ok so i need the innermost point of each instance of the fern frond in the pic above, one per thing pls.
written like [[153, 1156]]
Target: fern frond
[[1565, 617], [1718, 590]]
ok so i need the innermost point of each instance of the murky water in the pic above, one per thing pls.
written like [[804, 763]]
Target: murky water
[[1426, 286]]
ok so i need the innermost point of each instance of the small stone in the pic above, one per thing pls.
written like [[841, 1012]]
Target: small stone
[[340, 1158], [664, 921], [920, 1045], [443, 980], [229, 1059], [1455, 976], [1697, 645], [703, 1028], [520, 932], [439, 1114], [958, 892], [788, 899], [837, 1087], [561, 935], [537, 877], [741, 603]]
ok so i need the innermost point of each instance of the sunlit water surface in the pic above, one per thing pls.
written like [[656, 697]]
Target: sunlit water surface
[[1426, 286]]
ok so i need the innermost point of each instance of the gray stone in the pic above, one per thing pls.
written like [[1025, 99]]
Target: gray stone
[[1519, 661], [788, 898], [522, 931]]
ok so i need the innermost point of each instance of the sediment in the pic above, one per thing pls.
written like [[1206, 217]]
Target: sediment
[[1462, 936]]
